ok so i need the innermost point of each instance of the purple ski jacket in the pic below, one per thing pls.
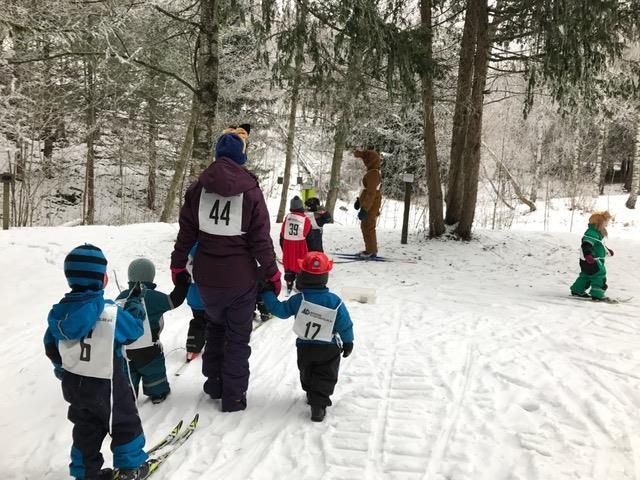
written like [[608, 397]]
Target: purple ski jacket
[[231, 245]]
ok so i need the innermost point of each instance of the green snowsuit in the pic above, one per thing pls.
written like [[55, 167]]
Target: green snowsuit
[[592, 275]]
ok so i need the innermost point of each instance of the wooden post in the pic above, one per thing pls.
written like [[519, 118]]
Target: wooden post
[[407, 178], [6, 184]]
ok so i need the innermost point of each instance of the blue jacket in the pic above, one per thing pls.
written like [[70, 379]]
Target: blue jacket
[[157, 304], [76, 315], [319, 296], [194, 300]]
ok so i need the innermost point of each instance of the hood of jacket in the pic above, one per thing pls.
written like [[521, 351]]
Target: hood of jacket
[[227, 178], [76, 314], [371, 159]]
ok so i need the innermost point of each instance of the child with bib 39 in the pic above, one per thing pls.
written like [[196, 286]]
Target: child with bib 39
[[323, 326]]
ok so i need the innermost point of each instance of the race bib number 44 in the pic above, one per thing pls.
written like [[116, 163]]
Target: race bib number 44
[[220, 215]]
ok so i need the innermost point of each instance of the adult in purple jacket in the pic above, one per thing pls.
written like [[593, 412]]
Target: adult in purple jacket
[[226, 213]]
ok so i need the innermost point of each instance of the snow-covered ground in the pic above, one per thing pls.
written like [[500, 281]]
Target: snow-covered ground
[[473, 364]]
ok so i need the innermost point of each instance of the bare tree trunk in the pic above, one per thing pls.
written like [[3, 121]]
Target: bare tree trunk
[[89, 190], [455, 184], [598, 174], [635, 175], [49, 127], [436, 221], [537, 162], [514, 183], [293, 109], [575, 167], [185, 154], [207, 75], [152, 105], [474, 135], [344, 122]]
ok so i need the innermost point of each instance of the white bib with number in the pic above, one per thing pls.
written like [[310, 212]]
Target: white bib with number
[[92, 356], [220, 215], [146, 340], [315, 322], [314, 223], [294, 227]]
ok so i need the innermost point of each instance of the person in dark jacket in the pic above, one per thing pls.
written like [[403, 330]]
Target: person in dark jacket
[[319, 218], [225, 212], [146, 358], [84, 341], [323, 326]]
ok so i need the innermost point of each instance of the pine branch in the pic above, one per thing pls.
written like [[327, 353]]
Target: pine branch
[[175, 17]]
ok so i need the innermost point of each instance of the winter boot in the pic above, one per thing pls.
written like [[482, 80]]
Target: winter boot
[[104, 474], [234, 405], [318, 412], [213, 388], [155, 399], [139, 473], [366, 255], [581, 295], [601, 299]]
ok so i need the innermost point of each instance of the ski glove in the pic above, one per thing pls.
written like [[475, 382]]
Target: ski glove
[[347, 348], [183, 278], [362, 214], [610, 251], [589, 259], [276, 282], [174, 273], [356, 205], [58, 370]]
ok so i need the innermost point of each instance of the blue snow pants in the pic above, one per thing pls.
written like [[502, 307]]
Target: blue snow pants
[[148, 365], [91, 414]]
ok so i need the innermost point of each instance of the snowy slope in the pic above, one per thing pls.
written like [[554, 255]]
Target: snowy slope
[[472, 365]]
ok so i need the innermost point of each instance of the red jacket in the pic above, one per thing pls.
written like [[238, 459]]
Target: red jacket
[[293, 239]]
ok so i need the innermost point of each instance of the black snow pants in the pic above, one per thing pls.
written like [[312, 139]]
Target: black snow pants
[[318, 365]]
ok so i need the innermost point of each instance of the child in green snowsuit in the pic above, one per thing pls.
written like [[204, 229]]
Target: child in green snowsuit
[[146, 359], [593, 272]]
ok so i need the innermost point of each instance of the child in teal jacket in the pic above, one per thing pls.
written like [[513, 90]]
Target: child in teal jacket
[[593, 273]]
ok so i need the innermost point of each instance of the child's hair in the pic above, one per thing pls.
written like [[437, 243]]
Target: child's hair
[[313, 204], [600, 220]]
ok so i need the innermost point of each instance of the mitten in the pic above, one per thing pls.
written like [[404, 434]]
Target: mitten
[[356, 205], [362, 214], [174, 273], [347, 348], [589, 259], [276, 281], [58, 370], [183, 278], [610, 251]]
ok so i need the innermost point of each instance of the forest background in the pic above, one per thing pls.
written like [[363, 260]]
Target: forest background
[[110, 108]]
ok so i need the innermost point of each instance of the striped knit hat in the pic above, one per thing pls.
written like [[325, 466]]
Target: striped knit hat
[[85, 267]]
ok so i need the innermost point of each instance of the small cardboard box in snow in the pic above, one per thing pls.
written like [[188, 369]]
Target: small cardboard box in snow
[[359, 294]]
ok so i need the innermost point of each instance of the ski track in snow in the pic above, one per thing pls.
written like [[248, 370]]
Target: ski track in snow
[[473, 364]]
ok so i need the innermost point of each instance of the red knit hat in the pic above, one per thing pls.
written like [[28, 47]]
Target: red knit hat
[[315, 263]]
